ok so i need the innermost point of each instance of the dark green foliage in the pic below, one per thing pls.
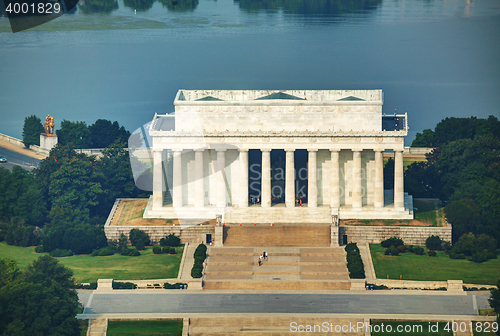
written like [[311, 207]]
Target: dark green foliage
[[494, 299], [157, 250], [465, 215], [401, 248], [39, 249], [38, 301], [61, 253], [394, 251], [103, 133], [32, 129], [424, 139], [177, 285], [75, 132], [418, 250], [92, 285], [124, 285], [200, 255], [433, 243], [139, 238], [387, 251], [130, 251], [197, 271], [354, 262], [170, 240], [171, 250], [477, 249], [389, 174], [393, 241], [432, 253], [105, 251]]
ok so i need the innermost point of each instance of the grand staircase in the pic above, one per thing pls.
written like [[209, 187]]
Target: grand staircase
[[300, 257]]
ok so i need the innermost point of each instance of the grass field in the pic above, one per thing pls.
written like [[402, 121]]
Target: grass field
[[412, 328], [440, 268], [145, 328], [88, 269], [430, 211]]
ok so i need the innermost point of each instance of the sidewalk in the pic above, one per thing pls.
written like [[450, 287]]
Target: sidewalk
[[185, 272]]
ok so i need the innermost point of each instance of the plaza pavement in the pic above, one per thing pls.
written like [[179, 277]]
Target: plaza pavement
[[172, 304]]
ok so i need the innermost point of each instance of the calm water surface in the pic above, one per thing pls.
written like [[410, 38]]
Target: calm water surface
[[433, 59]]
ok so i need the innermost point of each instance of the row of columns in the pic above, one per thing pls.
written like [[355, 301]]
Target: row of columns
[[357, 193]]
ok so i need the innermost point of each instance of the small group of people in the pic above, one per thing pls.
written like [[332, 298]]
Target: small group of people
[[262, 258]]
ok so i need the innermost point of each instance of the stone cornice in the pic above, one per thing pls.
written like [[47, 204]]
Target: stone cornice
[[261, 134]]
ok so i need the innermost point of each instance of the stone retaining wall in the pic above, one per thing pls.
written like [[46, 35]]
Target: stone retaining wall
[[188, 234], [411, 235]]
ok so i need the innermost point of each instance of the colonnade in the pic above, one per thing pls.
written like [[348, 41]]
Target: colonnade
[[240, 197]]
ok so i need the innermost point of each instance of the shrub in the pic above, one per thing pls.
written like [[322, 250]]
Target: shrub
[[387, 251], [140, 246], [455, 255], [92, 285], [418, 250], [170, 240], [432, 253], [130, 251], [200, 254], [177, 285], [138, 238], [39, 249], [171, 250], [394, 251], [61, 253], [354, 262], [401, 248], [165, 249], [124, 285], [479, 257], [393, 241], [197, 271], [433, 243], [156, 249], [105, 251]]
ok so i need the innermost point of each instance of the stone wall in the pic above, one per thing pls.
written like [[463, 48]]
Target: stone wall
[[188, 234], [411, 235]]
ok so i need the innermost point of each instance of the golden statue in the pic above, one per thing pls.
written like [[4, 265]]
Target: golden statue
[[49, 126]]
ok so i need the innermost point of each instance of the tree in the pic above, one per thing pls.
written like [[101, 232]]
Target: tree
[[389, 174], [465, 216], [424, 139], [104, 133], [433, 243], [494, 301], [40, 301], [75, 132], [139, 238], [32, 129]]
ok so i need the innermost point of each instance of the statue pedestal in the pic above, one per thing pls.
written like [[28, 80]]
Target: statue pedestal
[[47, 142]]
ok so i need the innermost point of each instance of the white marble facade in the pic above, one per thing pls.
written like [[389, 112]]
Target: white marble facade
[[339, 133]]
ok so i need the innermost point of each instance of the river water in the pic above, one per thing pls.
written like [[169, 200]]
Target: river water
[[125, 60]]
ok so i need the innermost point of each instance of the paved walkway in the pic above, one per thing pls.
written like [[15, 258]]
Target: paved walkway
[[185, 272], [21, 150], [166, 303]]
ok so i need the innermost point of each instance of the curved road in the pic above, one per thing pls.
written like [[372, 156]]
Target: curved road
[[14, 158]]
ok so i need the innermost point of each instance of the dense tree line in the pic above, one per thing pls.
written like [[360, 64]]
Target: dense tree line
[[100, 134], [463, 170], [64, 203], [38, 301]]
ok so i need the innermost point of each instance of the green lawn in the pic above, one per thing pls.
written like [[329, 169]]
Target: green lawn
[[88, 269], [440, 268], [145, 328], [412, 328], [426, 211]]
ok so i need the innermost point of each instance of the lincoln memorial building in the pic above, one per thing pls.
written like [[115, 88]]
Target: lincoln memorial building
[[257, 156]]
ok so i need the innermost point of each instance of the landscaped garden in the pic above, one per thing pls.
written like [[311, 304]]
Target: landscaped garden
[[118, 267], [439, 268]]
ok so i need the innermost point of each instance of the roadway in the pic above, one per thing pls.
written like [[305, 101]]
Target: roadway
[[164, 303], [14, 158]]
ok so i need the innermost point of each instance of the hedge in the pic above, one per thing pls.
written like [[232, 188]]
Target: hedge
[[199, 257], [354, 262], [124, 285]]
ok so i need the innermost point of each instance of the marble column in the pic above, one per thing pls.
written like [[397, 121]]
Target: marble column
[[199, 197], [158, 181], [290, 178], [399, 197], [221, 178], [266, 178], [177, 179], [243, 178], [379, 178], [357, 191], [312, 180], [334, 179]]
